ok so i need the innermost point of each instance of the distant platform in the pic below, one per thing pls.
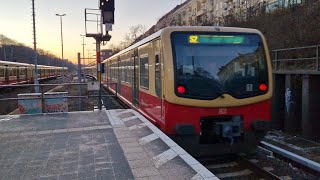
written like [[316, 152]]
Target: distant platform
[[113, 144]]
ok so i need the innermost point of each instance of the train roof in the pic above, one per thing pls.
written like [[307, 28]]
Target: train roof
[[18, 64], [89, 67], [9, 63], [147, 39], [186, 28]]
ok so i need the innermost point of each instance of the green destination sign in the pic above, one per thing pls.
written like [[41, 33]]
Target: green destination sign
[[215, 39]]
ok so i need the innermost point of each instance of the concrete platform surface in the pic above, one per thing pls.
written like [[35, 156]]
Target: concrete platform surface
[[114, 144]]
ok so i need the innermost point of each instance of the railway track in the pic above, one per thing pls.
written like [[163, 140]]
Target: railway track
[[296, 160], [237, 167], [255, 166]]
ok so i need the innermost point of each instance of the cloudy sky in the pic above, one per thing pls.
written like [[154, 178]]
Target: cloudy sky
[[16, 21]]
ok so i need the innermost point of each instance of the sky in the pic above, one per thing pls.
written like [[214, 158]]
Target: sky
[[16, 22]]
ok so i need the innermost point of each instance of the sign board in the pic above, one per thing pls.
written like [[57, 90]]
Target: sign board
[[30, 106], [108, 27], [56, 102], [93, 86]]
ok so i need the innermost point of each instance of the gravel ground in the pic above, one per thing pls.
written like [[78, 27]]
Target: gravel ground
[[111, 102]]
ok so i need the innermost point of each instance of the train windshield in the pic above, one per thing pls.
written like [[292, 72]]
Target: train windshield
[[210, 65]]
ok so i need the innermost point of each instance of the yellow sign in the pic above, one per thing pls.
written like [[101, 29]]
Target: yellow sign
[[193, 39]]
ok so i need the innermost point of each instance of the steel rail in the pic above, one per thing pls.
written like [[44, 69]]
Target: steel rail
[[258, 170], [308, 164]]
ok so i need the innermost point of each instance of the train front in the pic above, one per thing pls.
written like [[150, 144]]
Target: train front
[[217, 90]]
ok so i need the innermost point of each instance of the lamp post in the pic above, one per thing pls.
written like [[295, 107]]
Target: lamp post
[[61, 15], [83, 44], [35, 56]]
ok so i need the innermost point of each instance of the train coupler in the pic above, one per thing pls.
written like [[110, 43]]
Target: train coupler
[[222, 129]]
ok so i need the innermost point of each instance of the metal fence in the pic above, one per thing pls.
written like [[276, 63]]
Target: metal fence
[[78, 95], [299, 59]]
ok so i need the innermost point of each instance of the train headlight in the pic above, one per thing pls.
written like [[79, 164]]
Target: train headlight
[[181, 89], [263, 87]]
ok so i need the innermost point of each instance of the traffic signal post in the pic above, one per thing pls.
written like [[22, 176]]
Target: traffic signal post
[[106, 13]]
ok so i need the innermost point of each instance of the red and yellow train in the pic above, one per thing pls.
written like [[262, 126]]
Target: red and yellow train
[[18, 73], [209, 88]]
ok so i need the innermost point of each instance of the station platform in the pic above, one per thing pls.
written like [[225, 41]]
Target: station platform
[[113, 144]]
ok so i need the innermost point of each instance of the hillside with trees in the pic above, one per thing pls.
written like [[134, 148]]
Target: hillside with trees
[[293, 26], [11, 50], [288, 25]]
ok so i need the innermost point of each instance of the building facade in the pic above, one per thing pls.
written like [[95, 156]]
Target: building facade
[[213, 12]]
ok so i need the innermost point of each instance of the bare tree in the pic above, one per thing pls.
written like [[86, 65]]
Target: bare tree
[[115, 48], [134, 33]]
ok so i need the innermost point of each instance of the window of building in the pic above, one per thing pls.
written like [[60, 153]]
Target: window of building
[[144, 72]]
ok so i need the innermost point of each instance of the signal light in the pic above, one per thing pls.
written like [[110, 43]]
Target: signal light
[[181, 89], [263, 87]]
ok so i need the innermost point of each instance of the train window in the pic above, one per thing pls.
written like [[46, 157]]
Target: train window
[[22, 71], [157, 75], [209, 65], [131, 71], [128, 71], [111, 71], [144, 72], [113, 75], [115, 69], [123, 72], [10, 71], [1, 71], [14, 71]]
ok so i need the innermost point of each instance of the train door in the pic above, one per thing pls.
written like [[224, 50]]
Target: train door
[[119, 76], [158, 76], [135, 81]]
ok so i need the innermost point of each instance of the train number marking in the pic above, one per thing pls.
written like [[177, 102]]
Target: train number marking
[[223, 111]]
